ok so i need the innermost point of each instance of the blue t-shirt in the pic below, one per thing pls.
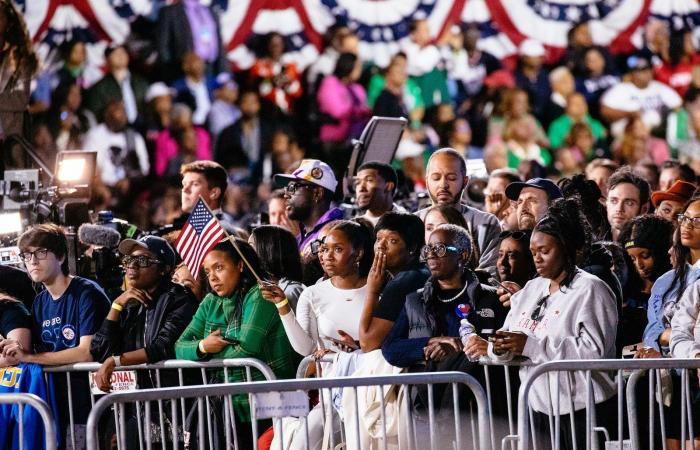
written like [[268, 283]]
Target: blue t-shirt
[[59, 324]]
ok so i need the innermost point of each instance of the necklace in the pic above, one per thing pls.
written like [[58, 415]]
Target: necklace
[[448, 300]]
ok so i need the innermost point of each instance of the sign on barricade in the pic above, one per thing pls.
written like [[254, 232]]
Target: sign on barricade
[[281, 404], [122, 380]]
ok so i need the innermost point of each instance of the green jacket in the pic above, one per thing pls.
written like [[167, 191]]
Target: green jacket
[[258, 329], [560, 128]]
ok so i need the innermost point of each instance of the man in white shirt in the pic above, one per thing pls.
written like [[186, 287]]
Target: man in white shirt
[[640, 96], [121, 151]]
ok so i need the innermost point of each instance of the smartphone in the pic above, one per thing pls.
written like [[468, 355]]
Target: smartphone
[[232, 341], [339, 343], [494, 282]]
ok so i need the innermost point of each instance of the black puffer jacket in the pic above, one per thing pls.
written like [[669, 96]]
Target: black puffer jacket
[[156, 328]]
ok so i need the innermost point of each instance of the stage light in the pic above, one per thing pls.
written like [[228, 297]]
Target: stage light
[[10, 222], [75, 168]]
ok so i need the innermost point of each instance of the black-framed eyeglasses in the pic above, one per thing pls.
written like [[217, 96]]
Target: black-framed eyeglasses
[[316, 245], [39, 254], [439, 250], [540, 307], [292, 187], [694, 222], [142, 261], [518, 235]]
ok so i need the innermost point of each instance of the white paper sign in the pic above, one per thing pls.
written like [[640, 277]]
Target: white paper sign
[[123, 380], [281, 404]]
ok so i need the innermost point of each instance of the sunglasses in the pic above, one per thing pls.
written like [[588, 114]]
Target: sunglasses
[[439, 250], [540, 307], [141, 261], [292, 187]]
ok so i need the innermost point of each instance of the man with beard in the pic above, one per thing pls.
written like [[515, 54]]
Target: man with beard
[[446, 178], [309, 193], [628, 197], [532, 198], [375, 185]]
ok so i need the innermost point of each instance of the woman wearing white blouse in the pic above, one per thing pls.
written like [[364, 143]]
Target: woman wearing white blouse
[[329, 309]]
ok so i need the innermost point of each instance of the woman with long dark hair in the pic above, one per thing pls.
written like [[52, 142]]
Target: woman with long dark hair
[[564, 313], [66, 121], [234, 321], [18, 63], [279, 257]]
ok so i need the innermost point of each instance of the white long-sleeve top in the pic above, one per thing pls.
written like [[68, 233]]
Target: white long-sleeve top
[[579, 322], [685, 329], [322, 310]]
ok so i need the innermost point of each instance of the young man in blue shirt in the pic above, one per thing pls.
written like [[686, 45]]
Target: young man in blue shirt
[[66, 314]]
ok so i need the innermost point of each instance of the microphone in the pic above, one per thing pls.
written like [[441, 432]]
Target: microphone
[[98, 235]]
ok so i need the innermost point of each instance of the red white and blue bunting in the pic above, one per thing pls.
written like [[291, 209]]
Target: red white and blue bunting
[[380, 24]]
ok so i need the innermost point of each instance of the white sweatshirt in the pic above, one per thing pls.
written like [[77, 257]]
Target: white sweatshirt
[[685, 328], [322, 310], [579, 322]]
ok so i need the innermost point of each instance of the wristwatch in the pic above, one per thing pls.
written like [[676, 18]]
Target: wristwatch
[[117, 360]]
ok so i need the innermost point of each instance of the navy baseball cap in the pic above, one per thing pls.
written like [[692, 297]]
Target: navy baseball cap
[[156, 245], [552, 190]]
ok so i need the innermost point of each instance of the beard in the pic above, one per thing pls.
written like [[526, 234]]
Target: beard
[[299, 212]]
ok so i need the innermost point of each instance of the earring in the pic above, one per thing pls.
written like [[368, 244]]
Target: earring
[[357, 263]]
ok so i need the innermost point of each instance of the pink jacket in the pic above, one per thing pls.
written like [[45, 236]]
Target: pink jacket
[[166, 148], [334, 98]]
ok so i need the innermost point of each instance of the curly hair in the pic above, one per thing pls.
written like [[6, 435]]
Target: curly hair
[[566, 223], [653, 233]]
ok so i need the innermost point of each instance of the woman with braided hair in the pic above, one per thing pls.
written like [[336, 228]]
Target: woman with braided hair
[[564, 313]]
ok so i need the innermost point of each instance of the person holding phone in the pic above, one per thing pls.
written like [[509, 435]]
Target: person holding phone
[[564, 313], [234, 321]]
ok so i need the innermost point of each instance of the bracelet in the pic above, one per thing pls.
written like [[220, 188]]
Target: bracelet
[[281, 304], [201, 347], [117, 306], [117, 360]]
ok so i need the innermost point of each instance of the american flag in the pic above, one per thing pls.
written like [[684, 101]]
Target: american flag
[[201, 233]]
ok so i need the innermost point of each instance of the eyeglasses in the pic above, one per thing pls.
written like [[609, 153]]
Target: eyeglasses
[[693, 222], [517, 235], [141, 261], [540, 307], [292, 187], [439, 250], [39, 254]]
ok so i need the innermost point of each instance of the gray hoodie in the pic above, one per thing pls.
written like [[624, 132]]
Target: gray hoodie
[[578, 322], [685, 329]]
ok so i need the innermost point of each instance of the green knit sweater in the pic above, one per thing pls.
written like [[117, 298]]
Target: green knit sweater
[[258, 328]]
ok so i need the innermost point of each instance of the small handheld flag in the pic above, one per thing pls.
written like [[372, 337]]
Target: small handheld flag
[[200, 234]]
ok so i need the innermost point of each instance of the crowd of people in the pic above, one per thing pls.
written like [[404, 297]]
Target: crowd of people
[[582, 241]]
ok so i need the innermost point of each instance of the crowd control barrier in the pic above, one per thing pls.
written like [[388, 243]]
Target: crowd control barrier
[[24, 401]]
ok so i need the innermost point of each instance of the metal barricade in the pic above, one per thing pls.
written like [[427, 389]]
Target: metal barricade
[[526, 432], [248, 364], [433, 434], [31, 400]]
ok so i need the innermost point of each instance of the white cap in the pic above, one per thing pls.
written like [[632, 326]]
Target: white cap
[[312, 171], [531, 47], [158, 89]]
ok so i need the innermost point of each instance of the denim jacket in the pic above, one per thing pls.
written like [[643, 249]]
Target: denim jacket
[[657, 306]]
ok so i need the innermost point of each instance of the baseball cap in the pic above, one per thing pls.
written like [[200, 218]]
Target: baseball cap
[[552, 190], [158, 89], [680, 191], [312, 171], [638, 62], [531, 47], [224, 79], [156, 245]]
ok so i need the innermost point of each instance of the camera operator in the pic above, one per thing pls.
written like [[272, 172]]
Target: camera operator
[[146, 320], [66, 315]]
